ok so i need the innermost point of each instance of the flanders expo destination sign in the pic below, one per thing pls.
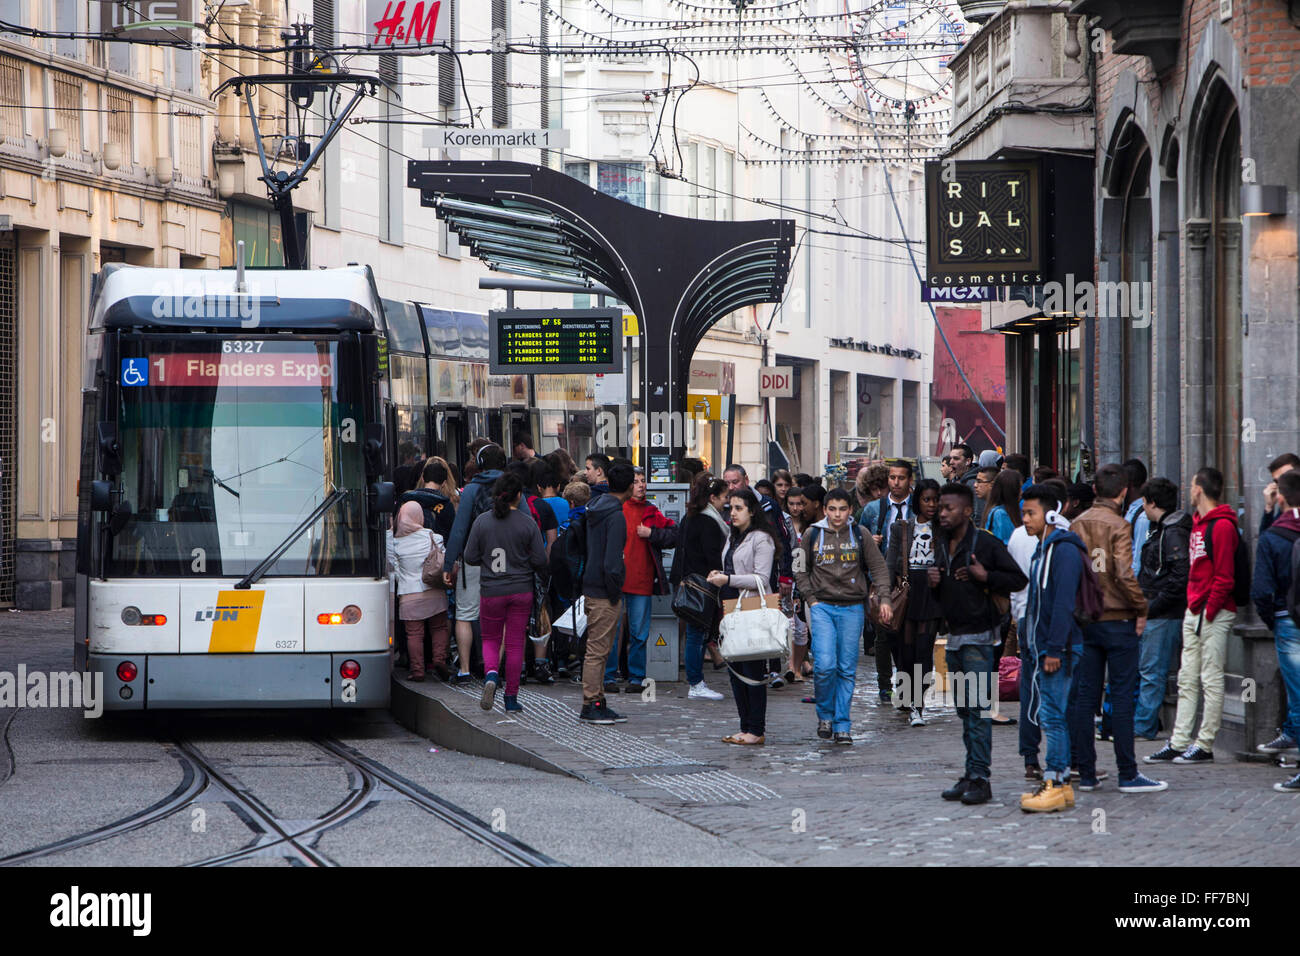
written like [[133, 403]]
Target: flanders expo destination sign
[[544, 341], [984, 223]]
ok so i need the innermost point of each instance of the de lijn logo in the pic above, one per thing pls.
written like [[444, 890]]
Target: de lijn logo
[[135, 371]]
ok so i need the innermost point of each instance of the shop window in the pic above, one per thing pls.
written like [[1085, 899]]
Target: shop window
[[1135, 273], [623, 181], [259, 229]]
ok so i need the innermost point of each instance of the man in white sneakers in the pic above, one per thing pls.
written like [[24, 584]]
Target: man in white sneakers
[[1211, 611]]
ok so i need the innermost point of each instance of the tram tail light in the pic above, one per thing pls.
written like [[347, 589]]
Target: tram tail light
[[349, 615], [349, 670], [127, 671], [132, 617]]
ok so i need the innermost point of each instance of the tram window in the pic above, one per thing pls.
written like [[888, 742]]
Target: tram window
[[225, 453]]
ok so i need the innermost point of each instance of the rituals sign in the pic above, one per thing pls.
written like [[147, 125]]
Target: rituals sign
[[984, 223]]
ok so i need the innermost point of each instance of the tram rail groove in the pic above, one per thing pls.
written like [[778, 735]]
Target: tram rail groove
[[194, 781], [263, 817], [365, 777], [458, 818]]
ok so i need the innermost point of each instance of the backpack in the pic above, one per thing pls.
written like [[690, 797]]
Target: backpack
[[1090, 601], [1240, 565], [482, 503], [569, 559]]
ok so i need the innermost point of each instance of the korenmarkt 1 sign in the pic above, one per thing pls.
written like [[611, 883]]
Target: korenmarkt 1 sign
[[984, 223], [157, 21], [444, 137]]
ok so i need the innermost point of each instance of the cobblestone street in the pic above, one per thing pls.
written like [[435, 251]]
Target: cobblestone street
[[801, 800]]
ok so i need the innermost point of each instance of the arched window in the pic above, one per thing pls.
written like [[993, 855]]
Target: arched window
[[1135, 274]]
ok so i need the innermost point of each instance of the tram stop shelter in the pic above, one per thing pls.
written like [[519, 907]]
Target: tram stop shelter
[[679, 275]]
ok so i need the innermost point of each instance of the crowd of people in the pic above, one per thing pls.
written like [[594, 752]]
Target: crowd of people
[[1081, 596]]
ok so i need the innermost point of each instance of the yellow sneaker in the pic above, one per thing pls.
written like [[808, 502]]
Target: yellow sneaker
[[1050, 797]]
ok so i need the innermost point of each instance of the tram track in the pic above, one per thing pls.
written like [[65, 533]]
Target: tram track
[[274, 836]]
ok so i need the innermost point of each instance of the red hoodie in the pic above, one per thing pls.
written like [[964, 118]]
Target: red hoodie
[[637, 556], [1209, 582]]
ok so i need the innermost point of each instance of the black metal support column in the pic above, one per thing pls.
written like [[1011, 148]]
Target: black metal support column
[[678, 275]]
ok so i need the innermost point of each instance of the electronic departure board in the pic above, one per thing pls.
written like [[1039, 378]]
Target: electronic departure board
[[542, 341]]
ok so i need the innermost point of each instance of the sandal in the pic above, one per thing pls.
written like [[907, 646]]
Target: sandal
[[733, 738], [756, 742], [792, 678]]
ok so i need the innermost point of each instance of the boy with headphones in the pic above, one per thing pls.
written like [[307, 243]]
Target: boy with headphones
[[1052, 641]]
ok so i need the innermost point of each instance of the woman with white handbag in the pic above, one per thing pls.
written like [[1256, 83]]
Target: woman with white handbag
[[747, 563]]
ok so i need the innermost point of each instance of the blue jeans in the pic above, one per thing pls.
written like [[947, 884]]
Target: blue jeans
[[1053, 699], [836, 630], [971, 668], [696, 638], [636, 625], [1287, 635], [1108, 646], [1030, 734], [1155, 653]]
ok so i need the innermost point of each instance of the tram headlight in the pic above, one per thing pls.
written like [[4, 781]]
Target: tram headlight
[[351, 614], [131, 615]]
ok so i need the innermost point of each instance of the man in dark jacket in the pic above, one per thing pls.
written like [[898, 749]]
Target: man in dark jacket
[[1269, 589], [971, 566], [474, 500], [1163, 579], [602, 587], [1110, 645], [1278, 467], [649, 532], [439, 512], [1053, 643]]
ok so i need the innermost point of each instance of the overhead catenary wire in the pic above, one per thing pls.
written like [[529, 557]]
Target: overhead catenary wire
[[911, 255]]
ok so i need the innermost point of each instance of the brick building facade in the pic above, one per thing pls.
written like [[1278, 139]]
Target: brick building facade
[[1196, 109]]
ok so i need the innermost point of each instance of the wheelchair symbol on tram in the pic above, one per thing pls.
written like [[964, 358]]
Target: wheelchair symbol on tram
[[135, 371]]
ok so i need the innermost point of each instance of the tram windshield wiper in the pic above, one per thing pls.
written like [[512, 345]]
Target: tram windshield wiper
[[255, 575]]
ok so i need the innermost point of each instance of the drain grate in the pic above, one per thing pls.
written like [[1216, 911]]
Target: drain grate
[[624, 753]]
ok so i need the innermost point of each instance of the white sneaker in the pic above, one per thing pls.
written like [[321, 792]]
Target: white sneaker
[[917, 719], [701, 691]]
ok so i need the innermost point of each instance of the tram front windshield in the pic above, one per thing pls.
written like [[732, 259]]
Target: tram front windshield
[[228, 444]]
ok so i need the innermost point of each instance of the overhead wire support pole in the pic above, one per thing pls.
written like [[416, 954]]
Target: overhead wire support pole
[[281, 183]]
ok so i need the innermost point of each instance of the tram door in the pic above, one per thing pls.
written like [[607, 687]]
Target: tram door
[[453, 435], [519, 422], [496, 427]]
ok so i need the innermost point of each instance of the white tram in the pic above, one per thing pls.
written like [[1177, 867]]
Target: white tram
[[230, 540]]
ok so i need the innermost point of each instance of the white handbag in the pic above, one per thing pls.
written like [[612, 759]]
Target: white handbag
[[574, 619], [754, 635]]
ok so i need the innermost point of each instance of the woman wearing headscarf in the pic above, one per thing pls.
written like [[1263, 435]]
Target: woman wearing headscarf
[[418, 605]]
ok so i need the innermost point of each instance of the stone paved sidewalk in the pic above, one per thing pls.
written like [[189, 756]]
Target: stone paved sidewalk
[[801, 800]]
